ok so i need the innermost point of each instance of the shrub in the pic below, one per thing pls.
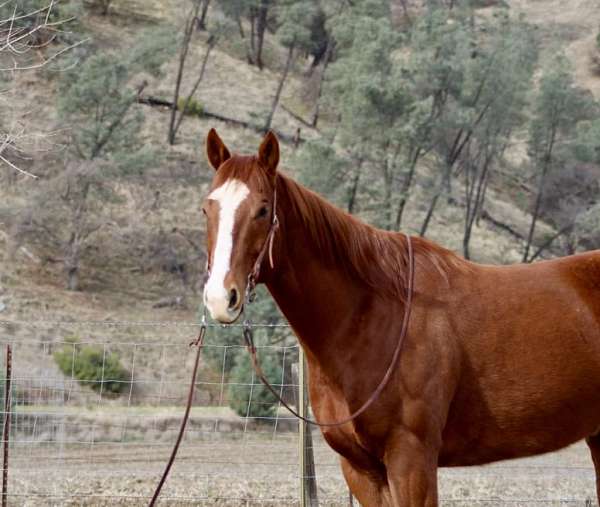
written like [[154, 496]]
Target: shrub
[[90, 364], [262, 402], [194, 107]]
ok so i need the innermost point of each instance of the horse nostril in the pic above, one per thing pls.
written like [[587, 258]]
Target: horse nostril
[[233, 298]]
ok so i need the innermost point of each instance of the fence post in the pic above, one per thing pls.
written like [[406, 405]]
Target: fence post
[[6, 429], [308, 478]]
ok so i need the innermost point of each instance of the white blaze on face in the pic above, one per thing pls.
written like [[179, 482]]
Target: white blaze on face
[[216, 297]]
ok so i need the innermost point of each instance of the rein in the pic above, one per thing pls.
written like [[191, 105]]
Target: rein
[[249, 340]]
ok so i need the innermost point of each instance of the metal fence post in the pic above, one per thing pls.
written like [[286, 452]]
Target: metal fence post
[[6, 429], [308, 478], [302, 427]]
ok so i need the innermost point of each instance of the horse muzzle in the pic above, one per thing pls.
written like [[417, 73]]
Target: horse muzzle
[[223, 305]]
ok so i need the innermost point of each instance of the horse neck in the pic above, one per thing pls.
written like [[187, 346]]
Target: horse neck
[[320, 299]]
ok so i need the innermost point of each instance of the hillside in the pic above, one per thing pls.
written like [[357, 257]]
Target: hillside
[[132, 270]]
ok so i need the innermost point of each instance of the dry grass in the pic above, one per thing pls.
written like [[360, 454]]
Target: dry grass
[[255, 472], [572, 25]]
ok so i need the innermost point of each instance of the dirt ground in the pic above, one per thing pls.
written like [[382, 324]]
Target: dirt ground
[[262, 469]]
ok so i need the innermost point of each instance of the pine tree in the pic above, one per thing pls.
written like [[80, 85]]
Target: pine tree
[[558, 107]]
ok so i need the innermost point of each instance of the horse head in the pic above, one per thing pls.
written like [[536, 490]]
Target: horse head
[[241, 220]]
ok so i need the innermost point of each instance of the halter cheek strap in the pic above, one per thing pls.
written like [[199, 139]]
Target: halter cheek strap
[[267, 247]]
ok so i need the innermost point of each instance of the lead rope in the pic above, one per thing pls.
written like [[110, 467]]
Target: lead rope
[[198, 342], [248, 338]]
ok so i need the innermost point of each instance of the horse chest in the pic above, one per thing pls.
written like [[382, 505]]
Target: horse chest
[[347, 440], [352, 445]]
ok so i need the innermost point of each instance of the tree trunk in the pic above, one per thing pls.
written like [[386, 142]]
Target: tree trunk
[[566, 229], [286, 70], [405, 11], [405, 190], [73, 278], [185, 45], [430, 211], [482, 200], [474, 183], [72, 254], [536, 212], [252, 51], [240, 27], [105, 7], [354, 188], [261, 27], [248, 44], [461, 140], [210, 45], [434, 200], [389, 221], [326, 58], [538, 201], [202, 21]]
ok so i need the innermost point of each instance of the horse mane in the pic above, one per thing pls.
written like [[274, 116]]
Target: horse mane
[[376, 257]]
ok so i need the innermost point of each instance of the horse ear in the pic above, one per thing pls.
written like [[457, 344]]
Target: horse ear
[[268, 153], [216, 151]]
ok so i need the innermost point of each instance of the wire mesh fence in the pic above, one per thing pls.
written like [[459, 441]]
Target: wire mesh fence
[[96, 406]]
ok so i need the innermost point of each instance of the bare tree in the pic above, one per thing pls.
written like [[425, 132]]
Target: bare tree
[[210, 44], [261, 27], [558, 108], [26, 42], [64, 215], [321, 79], [183, 54], [201, 23], [282, 79]]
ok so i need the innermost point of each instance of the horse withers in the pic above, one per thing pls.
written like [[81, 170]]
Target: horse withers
[[498, 362]]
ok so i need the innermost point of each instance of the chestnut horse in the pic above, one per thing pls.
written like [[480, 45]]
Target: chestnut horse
[[498, 362]]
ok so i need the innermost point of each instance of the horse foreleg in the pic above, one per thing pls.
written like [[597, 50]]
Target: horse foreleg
[[369, 489], [593, 443], [412, 472]]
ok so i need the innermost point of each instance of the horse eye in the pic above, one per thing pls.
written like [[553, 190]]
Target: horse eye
[[204, 211], [262, 212]]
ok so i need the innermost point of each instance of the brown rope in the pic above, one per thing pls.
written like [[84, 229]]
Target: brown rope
[[388, 374], [198, 342]]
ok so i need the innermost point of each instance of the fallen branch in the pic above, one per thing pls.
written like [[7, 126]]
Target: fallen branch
[[505, 227], [298, 118], [149, 100]]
